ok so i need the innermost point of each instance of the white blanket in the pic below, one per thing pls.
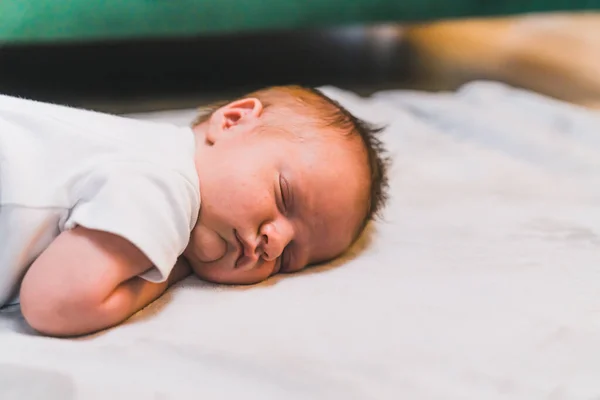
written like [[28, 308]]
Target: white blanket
[[481, 282]]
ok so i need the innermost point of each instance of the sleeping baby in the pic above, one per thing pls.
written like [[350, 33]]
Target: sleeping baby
[[100, 214]]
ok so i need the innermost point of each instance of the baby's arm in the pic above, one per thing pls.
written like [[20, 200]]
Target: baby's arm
[[88, 280]]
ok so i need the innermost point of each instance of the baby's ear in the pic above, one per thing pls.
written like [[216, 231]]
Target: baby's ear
[[245, 111]]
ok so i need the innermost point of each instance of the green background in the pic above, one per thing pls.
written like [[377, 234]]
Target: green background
[[80, 20]]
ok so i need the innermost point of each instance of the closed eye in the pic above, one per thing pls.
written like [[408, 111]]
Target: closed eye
[[283, 188]]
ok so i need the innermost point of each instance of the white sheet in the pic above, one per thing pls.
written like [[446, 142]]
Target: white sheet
[[482, 282]]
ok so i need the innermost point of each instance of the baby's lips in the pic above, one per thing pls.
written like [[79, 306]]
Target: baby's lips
[[208, 245]]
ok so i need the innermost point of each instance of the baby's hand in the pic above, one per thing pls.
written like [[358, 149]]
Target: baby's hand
[[86, 281]]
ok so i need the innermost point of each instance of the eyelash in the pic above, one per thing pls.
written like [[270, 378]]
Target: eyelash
[[281, 185]]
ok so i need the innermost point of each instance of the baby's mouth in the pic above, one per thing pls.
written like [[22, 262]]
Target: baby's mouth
[[243, 250], [240, 249]]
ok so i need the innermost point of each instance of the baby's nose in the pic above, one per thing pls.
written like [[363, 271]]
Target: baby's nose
[[270, 252], [274, 240]]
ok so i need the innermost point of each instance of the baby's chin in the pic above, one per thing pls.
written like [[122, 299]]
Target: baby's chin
[[223, 271], [205, 271], [216, 272]]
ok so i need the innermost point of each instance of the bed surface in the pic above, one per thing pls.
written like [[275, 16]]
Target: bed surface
[[482, 281]]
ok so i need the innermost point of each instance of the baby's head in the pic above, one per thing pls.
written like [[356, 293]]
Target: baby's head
[[288, 178]]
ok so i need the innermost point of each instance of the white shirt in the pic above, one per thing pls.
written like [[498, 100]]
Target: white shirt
[[61, 167]]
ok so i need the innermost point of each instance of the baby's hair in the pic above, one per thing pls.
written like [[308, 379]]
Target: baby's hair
[[310, 106]]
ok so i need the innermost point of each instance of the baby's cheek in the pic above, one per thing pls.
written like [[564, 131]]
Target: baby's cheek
[[206, 244]]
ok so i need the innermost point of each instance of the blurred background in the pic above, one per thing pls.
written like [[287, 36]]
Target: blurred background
[[139, 55]]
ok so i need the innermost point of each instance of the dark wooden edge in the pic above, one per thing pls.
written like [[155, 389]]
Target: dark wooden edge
[[135, 73]]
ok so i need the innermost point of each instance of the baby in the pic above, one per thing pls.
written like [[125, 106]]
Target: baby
[[100, 214]]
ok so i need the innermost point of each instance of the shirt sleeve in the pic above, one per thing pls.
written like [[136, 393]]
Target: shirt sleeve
[[153, 209]]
